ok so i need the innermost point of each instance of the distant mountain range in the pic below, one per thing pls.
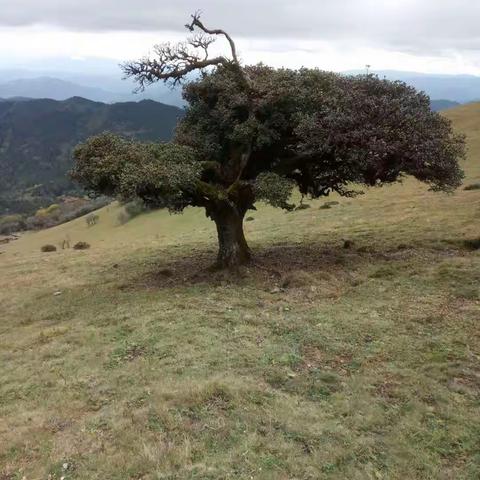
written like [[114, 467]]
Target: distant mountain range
[[53, 88], [61, 89], [456, 88], [37, 138], [108, 86], [63, 85], [439, 105]]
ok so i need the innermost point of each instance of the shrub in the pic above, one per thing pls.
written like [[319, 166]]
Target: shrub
[[52, 209], [11, 224], [41, 212], [123, 217], [10, 219], [92, 219], [37, 222], [131, 210], [303, 206], [48, 248], [329, 204], [249, 219], [135, 208], [81, 246], [473, 244], [473, 186]]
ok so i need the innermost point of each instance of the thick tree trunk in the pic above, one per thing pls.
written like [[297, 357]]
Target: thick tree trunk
[[233, 249]]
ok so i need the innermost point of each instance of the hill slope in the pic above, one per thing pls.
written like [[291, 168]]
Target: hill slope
[[129, 361], [37, 137]]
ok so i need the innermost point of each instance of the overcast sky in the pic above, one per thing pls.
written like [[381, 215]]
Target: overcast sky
[[441, 36]]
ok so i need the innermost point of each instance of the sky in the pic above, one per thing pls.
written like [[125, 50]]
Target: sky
[[431, 36]]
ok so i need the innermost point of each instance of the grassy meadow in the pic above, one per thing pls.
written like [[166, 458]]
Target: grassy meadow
[[128, 361]]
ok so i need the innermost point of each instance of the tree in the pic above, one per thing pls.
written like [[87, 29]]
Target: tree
[[254, 133]]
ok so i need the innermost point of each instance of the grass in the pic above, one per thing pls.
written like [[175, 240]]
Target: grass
[[126, 361]]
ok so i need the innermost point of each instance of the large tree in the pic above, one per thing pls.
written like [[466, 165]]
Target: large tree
[[253, 133]]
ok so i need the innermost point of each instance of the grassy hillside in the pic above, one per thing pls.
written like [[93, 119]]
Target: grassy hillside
[[127, 361]]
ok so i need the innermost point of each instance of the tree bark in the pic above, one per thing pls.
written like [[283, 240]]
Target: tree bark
[[233, 249]]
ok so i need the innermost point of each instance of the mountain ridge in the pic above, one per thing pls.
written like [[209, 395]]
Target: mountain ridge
[[37, 137]]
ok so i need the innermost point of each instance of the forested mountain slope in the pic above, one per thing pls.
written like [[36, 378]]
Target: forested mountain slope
[[37, 138]]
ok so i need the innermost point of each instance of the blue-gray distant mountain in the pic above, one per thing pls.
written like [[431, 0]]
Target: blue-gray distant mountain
[[439, 105], [53, 88], [457, 88], [100, 88], [37, 138]]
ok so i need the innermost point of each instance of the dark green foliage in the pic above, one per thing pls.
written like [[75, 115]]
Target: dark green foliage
[[473, 186], [274, 189], [322, 130], [160, 174], [37, 138]]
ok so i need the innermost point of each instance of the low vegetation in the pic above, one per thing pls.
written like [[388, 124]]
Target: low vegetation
[[56, 214]]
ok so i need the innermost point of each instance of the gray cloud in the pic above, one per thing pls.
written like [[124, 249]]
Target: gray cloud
[[416, 26]]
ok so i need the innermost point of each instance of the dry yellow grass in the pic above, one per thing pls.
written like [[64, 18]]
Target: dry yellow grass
[[126, 361]]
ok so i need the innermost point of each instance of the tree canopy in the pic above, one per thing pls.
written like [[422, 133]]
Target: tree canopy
[[255, 133]]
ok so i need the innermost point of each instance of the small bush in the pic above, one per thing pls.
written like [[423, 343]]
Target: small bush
[[52, 209], [249, 219], [10, 219], [329, 204], [123, 218], [131, 210], [473, 244], [473, 186], [81, 246], [48, 248], [135, 208], [11, 224], [303, 206], [92, 219]]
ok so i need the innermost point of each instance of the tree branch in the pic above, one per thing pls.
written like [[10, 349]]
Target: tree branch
[[217, 31], [173, 63]]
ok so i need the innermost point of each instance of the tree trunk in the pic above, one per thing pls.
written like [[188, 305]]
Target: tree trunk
[[233, 249]]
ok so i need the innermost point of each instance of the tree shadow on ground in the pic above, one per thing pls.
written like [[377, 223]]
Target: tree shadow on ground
[[275, 264]]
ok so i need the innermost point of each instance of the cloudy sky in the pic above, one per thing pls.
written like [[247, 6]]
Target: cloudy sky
[[435, 36]]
